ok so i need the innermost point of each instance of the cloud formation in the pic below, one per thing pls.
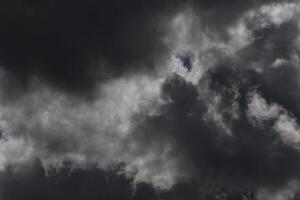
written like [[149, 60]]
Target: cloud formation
[[149, 100]]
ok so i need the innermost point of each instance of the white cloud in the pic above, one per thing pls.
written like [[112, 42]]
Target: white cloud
[[259, 111], [15, 151], [56, 127]]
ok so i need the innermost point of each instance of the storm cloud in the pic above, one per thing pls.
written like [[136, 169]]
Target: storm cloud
[[149, 100]]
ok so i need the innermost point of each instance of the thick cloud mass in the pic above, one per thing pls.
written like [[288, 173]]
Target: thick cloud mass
[[73, 44], [250, 155], [142, 100]]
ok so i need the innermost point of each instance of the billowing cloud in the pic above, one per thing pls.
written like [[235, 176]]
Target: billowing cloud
[[149, 100]]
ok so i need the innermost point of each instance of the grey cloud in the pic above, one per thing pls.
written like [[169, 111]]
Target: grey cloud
[[227, 128]]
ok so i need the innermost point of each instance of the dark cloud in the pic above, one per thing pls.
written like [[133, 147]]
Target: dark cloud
[[251, 156], [268, 63], [72, 45], [269, 45], [212, 156], [204, 127], [217, 15], [33, 183]]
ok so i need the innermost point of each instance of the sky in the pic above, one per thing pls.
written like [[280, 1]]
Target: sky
[[149, 100]]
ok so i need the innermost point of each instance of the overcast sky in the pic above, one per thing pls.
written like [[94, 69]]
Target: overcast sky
[[149, 100]]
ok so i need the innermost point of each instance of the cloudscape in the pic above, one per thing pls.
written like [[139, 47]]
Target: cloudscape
[[150, 100]]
